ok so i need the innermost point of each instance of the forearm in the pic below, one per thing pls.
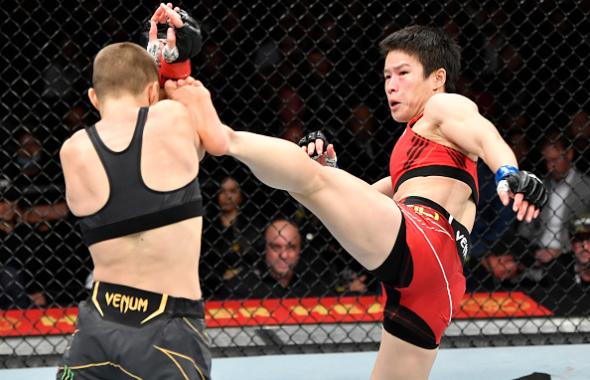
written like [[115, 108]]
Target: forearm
[[496, 153], [276, 162], [46, 213]]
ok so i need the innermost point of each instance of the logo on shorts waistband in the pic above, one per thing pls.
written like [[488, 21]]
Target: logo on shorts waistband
[[124, 302], [462, 240], [420, 211]]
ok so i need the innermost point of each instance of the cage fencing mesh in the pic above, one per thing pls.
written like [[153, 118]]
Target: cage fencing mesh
[[284, 69]]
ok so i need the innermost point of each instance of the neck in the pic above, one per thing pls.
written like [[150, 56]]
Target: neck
[[227, 218], [562, 178], [284, 279], [121, 107]]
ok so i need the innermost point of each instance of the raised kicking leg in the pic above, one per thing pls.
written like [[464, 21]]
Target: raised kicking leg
[[364, 221]]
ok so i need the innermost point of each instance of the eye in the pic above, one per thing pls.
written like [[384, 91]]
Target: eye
[[403, 72]]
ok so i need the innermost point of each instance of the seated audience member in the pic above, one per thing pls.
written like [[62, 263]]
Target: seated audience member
[[12, 289], [568, 193], [228, 241], [325, 254], [40, 226], [499, 268], [580, 230], [579, 129], [495, 222], [567, 292], [283, 272], [497, 251]]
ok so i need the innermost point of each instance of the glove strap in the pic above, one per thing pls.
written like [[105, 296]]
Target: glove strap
[[504, 171], [176, 70]]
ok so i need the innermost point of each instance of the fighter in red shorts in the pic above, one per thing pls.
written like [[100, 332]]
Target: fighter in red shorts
[[412, 228]]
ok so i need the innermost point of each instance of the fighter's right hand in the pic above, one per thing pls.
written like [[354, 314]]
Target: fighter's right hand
[[313, 144]]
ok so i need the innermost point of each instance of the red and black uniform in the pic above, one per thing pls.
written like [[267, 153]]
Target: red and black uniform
[[416, 156], [423, 276]]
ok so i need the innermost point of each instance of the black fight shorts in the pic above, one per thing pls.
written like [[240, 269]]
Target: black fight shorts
[[127, 333]]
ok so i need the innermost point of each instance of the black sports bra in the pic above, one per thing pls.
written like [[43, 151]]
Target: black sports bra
[[132, 207]]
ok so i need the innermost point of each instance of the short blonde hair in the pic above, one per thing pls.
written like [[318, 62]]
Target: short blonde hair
[[123, 68]]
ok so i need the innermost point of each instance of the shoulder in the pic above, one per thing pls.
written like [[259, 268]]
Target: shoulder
[[74, 146], [445, 104], [581, 181], [170, 113], [169, 107]]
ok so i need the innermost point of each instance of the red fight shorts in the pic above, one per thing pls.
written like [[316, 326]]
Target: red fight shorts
[[423, 276]]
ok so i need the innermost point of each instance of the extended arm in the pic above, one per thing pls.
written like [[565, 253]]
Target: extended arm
[[42, 213], [461, 123]]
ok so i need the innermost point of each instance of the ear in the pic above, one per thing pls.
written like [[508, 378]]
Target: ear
[[93, 98], [439, 78], [153, 93]]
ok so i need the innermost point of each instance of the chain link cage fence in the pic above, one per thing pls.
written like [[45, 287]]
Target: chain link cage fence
[[284, 69]]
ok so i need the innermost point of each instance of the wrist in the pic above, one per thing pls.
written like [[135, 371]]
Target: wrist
[[504, 171]]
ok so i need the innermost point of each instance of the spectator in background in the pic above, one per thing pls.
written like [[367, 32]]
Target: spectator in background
[[75, 119], [567, 293], [324, 253], [283, 272], [41, 226], [580, 231], [363, 149], [496, 248], [569, 193], [62, 78], [228, 241], [499, 268], [12, 289], [291, 110], [579, 129]]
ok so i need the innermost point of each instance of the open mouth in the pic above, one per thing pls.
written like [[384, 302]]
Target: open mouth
[[393, 104]]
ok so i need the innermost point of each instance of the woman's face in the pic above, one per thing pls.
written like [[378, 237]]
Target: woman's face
[[230, 196]]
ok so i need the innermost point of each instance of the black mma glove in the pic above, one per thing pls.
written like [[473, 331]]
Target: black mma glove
[[311, 138], [188, 37], [521, 181]]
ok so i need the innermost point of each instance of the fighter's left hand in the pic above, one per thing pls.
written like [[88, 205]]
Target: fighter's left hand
[[528, 192]]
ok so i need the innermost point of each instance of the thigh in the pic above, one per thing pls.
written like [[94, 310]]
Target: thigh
[[167, 348], [86, 356], [364, 221], [400, 360], [180, 352]]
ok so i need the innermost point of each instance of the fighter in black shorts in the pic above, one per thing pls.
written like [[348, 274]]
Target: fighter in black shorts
[[132, 180]]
